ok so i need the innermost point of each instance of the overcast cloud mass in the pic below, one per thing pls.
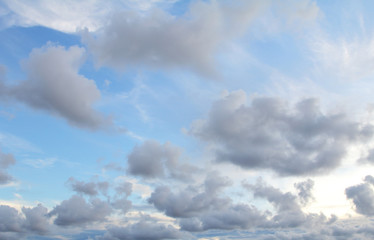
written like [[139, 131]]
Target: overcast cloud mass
[[186, 119]]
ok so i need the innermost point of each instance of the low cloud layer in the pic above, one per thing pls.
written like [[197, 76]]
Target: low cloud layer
[[54, 85], [270, 134]]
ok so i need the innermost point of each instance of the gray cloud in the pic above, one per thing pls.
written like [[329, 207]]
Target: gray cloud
[[36, 219], [6, 160], [191, 201], [154, 160], [10, 219], [305, 191], [239, 216], [145, 229], [288, 211], [362, 196], [124, 188], [88, 188], [54, 85], [159, 39], [76, 211], [269, 134]]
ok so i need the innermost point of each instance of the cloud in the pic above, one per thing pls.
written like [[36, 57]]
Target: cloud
[[362, 196], [146, 228], [6, 160], [288, 211], [269, 134], [77, 212], [67, 16], [36, 219], [305, 191], [88, 188], [10, 219], [154, 160], [159, 39], [54, 86], [191, 201]]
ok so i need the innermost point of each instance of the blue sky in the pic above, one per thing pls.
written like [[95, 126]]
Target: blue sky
[[172, 119]]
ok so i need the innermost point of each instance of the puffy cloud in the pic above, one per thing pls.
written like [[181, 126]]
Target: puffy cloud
[[191, 201], [124, 188], [269, 134], [54, 85], [239, 216], [36, 219], [145, 229], [153, 160], [159, 39], [76, 211], [362, 196], [88, 188], [10, 219], [6, 159]]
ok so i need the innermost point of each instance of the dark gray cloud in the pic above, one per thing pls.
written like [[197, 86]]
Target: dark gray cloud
[[88, 188], [76, 211], [305, 191], [54, 85], [191, 201], [6, 160], [269, 134], [154, 160], [145, 229], [159, 39], [362, 196]]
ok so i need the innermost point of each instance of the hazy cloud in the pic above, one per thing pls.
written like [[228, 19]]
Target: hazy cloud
[[269, 134], [54, 85], [146, 228], [6, 160]]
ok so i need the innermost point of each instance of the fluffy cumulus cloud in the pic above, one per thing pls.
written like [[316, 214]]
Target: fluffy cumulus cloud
[[54, 85], [270, 134], [76, 211], [362, 196], [6, 159], [154, 160]]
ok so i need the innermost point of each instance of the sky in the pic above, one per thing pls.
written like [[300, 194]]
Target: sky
[[186, 119]]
